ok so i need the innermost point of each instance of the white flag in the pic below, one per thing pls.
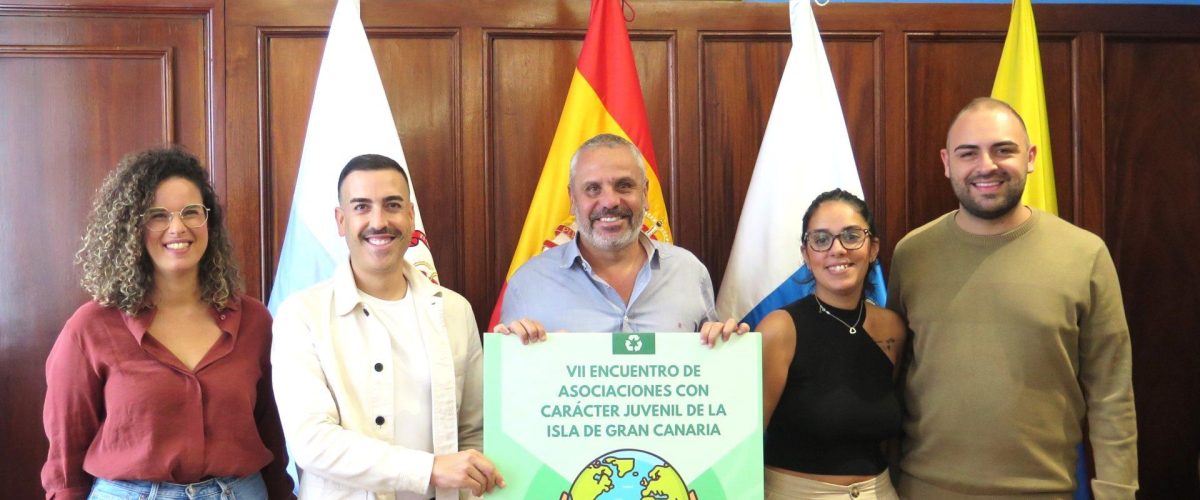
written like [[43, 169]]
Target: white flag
[[350, 116], [805, 152]]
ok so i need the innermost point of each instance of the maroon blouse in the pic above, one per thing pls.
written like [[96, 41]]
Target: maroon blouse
[[121, 406]]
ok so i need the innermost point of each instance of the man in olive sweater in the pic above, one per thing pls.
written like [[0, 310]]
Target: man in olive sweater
[[1019, 334]]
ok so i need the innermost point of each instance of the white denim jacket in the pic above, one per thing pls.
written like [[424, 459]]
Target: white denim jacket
[[330, 395]]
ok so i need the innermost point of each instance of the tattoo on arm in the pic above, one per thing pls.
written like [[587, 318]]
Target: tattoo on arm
[[886, 344]]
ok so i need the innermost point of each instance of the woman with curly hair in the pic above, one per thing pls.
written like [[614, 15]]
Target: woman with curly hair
[[161, 384]]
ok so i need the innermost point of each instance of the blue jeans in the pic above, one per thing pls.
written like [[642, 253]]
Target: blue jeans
[[249, 487]]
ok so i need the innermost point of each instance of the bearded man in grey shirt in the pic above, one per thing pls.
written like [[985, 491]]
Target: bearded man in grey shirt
[[611, 277]]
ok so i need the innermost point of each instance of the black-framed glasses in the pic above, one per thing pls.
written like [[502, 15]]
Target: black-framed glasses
[[159, 219], [852, 238]]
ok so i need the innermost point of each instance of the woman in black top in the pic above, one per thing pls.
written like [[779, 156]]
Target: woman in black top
[[828, 367]]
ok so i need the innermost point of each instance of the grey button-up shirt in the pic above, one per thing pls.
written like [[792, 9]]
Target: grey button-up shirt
[[672, 293]]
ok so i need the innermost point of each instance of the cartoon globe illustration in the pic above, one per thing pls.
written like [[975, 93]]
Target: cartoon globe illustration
[[629, 474]]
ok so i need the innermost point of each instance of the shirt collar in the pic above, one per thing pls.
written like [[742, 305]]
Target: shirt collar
[[571, 256], [345, 289], [228, 319], [138, 324]]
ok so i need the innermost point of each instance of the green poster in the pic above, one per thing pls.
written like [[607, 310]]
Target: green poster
[[606, 416]]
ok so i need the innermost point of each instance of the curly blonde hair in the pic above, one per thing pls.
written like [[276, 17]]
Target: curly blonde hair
[[117, 270]]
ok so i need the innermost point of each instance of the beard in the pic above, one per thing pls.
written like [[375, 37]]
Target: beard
[[993, 208], [611, 242]]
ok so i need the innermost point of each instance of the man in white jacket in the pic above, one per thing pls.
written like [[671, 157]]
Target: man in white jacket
[[378, 371]]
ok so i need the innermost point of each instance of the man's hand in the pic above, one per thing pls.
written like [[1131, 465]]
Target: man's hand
[[527, 329], [468, 470], [713, 330]]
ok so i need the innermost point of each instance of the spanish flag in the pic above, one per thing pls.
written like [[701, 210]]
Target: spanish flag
[[1019, 83], [605, 97]]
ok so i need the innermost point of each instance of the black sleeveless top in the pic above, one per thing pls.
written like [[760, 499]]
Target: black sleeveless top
[[839, 403]]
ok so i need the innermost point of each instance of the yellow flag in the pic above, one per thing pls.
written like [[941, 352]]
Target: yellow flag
[[1019, 83]]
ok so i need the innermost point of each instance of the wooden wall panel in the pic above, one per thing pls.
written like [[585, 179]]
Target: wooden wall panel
[[50, 182], [740, 74], [291, 59], [1152, 215], [182, 31], [521, 130], [935, 93], [855, 59], [78, 90]]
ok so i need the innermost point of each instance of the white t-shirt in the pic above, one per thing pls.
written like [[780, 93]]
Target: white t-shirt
[[410, 370]]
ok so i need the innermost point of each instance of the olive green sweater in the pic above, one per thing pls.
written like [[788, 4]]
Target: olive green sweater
[[1016, 339]]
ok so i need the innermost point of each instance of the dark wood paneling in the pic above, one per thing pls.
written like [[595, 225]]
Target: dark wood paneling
[[944, 72], [291, 59], [1152, 217], [78, 90], [50, 184], [740, 75], [421, 75], [521, 131], [855, 59], [1058, 60]]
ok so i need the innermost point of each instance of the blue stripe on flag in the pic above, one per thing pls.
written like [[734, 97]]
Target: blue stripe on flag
[[800, 285], [302, 263]]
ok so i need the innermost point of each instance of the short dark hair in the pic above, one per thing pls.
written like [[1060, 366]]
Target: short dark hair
[[371, 162], [843, 196], [988, 103]]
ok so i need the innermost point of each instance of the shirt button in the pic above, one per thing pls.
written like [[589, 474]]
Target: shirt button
[[366, 312], [378, 367], [379, 420]]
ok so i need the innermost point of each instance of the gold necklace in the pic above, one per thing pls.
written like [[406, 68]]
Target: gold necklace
[[853, 330]]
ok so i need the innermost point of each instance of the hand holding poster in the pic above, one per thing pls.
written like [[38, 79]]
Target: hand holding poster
[[587, 416]]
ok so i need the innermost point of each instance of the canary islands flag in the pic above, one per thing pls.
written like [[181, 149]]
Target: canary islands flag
[[805, 152]]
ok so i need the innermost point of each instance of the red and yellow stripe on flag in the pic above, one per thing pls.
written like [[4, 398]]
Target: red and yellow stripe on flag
[[605, 97]]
